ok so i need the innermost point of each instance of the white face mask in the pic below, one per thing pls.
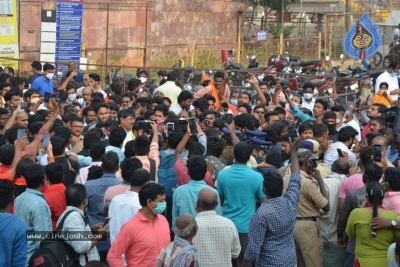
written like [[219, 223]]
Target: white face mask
[[307, 95], [143, 79], [72, 97], [49, 76], [337, 121]]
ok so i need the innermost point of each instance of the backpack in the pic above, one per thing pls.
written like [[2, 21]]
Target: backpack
[[55, 252], [166, 174], [264, 169]]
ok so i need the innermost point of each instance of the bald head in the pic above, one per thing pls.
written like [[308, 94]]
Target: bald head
[[380, 140], [207, 200], [341, 166], [185, 226]]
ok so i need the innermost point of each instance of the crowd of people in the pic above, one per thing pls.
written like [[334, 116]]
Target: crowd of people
[[158, 176]]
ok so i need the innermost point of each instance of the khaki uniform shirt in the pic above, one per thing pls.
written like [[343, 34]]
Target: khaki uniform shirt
[[310, 200]]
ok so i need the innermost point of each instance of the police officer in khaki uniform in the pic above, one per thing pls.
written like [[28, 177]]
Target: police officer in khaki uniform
[[313, 197]]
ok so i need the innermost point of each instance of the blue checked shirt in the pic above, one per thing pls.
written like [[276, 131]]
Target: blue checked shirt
[[271, 241]]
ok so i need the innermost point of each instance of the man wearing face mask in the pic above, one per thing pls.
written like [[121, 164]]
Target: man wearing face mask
[[390, 77], [329, 120], [31, 96], [45, 83], [144, 83], [339, 111], [308, 100], [143, 237]]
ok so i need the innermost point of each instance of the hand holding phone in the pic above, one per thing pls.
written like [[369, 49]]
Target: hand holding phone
[[377, 153], [192, 126], [106, 222], [339, 151], [20, 134], [46, 140]]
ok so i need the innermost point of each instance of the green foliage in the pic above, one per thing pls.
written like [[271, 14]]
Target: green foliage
[[275, 29], [165, 59], [206, 59]]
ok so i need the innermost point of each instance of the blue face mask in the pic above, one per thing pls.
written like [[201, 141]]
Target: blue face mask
[[260, 159], [234, 102], [160, 207], [272, 91]]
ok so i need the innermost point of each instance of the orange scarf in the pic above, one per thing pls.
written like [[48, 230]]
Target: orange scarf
[[214, 93]]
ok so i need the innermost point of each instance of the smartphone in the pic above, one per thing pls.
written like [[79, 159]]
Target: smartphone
[[182, 122], [170, 126], [106, 221], [339, 151], [192, 126], [377, 152], [23, 105], [46, 140], [145, 125], [313, 164], [47, 96], [20, 133]]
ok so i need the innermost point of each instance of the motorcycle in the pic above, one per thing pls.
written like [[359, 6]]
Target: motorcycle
[[193, 82]]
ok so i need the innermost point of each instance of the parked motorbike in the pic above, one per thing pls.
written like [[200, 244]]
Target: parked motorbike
[[193, 82], [253, 64]]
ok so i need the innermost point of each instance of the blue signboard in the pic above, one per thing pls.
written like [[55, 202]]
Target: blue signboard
[[68, 32]]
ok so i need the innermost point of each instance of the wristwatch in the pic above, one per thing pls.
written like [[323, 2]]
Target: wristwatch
[[67, 153], [393, 223]]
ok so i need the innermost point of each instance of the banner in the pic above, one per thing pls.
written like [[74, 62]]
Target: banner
[[9, 46]]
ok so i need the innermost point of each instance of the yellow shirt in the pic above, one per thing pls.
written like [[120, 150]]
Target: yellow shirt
[[381, 99]]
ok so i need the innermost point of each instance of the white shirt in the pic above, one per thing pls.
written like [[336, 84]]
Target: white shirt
[[356, 127], [310, 106], [177, 108], [122, 208], [83, 173], [328, 220], [217, 240], [129, 137], [391, 81], [171, 91], [331, 154]]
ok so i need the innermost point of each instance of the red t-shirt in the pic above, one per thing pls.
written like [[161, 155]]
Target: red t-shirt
[[55, 197]]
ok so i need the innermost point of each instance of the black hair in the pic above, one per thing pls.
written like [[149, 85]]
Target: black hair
[[274, 158], [129, 149], [117, 137], [13, 92], [163, 109], [167, 99], [132, 84], [174, 138], [269, 114], [116, 98], [109, 162], [48, 66], [150, 191], [201, 104], [197, 167], [7, 192], [308, 85], [242, 152], [11, 134], [373, 172], [97, 150], [206, 113], [110, 123], [218, 123], [64, 133], [142, 145], [22, 167], [319, 129], [128, 167], [129, 95], [86, 110], [195, 149], [95, 77], [246, 106], [375, 192], [392, 178], [158, 101], [34, 176], [36, 65], [393, 65], [75, 194], [162, 73], [91, 136], [215, 146], [280, 110], [185, 95], [172, 76], [379, 119], [58, 145], [366, 155], [273, 184], [381, 107], [116, 88], [54, 172], [219, 74], [346, 133], [94, 172], [144, 102], [7, 153], [306, 111], [274, 131], [338, 109], [329, 115], [98, 106], [113, 106], [244, 120], [305, 127], [323, 102], [140, 177]]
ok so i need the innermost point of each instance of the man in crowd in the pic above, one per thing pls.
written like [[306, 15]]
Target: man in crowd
[[44, 84]]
